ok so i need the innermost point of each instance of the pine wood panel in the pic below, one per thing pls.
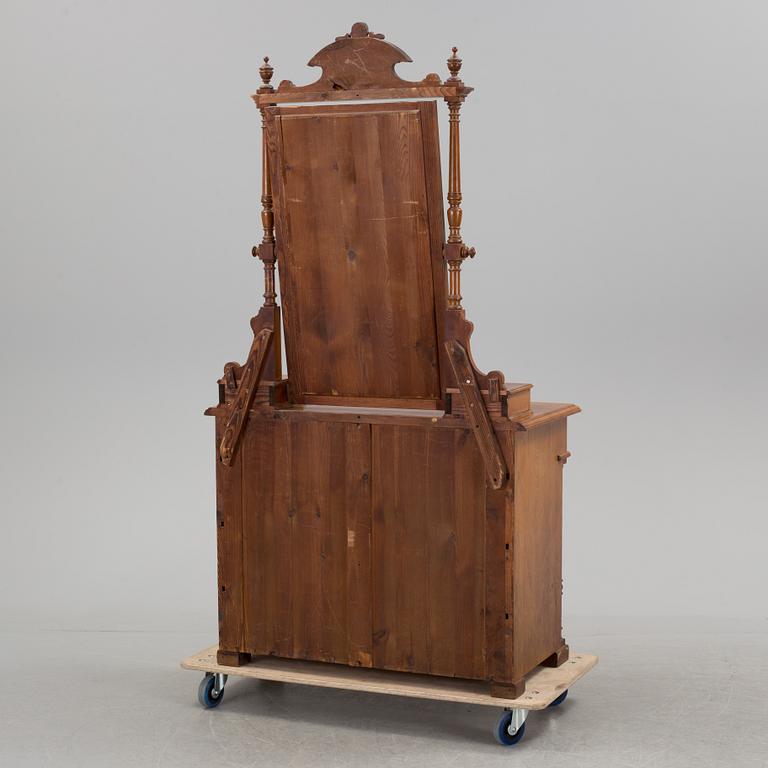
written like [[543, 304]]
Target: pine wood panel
[[306, 540], [357, 503], [498, 561], [267, 538], [428, 499], [229, 553], [359, 226], [537, 544]]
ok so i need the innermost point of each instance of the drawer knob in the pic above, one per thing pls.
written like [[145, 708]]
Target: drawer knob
[[562, 458]]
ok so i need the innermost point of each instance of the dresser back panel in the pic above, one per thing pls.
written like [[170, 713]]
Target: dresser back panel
[[359, 229]]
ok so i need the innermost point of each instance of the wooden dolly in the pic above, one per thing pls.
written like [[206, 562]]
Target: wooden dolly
[[544, 686]]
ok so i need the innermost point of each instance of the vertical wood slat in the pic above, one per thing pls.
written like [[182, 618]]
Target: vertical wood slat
[[400, 607], [267, 541], [499, 565], [470, 494], [357, 504], [229, 551]]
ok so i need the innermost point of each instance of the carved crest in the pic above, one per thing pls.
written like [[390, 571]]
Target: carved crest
[[358, 60]]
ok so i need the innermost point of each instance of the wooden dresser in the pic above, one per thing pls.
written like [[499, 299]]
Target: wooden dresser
[[384, 503]]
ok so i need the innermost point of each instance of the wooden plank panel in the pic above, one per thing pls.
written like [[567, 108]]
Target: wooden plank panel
[[307, 591], [537, 578], [438, 509], [400, 606], [267, 539], [469, 517], [499, 566], [356, 246], [357, 503], [427, 549], [309, 454], [229, 553], [497, 618]]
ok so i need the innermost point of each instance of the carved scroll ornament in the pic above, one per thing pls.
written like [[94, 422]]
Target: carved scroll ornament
[[358, 60]]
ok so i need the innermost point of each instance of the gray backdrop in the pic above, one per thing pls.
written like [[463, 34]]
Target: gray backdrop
[[615, 177]]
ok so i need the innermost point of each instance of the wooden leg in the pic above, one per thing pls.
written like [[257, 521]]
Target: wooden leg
[[508, 690], [232, 658], [560, 656]]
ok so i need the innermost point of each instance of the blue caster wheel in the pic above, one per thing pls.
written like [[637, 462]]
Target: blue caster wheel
[[503, 735], [559, 700], [209, 694]]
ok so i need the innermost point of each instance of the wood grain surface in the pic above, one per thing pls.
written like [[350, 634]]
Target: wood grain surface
[[428, 501], [306, 540], [355, 249], [537, 575]]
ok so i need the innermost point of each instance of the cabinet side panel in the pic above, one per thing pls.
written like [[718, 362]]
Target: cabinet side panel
[[428, 586], [469, 540], [229, 551], [537, 545]]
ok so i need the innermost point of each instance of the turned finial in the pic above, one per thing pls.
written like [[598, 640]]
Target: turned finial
[[454, 65], [266, 70]]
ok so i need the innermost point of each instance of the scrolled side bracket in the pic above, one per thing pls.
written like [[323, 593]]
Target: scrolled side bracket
[[249, 383], [477, 415]]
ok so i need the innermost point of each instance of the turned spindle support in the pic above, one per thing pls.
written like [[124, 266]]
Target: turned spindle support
[[268, 317], [266, 250], [454, 251]]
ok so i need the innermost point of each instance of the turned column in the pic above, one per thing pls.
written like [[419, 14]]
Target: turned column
[[454, 251], [266, 250], [269, 314]]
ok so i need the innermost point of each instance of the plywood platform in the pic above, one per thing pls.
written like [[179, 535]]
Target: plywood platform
[[542, 686]]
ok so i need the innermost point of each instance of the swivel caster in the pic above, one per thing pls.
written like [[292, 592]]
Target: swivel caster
[[511, 727], [211, 690], [559, 700]]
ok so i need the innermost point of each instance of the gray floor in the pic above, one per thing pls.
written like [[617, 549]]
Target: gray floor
[[667, 694]]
